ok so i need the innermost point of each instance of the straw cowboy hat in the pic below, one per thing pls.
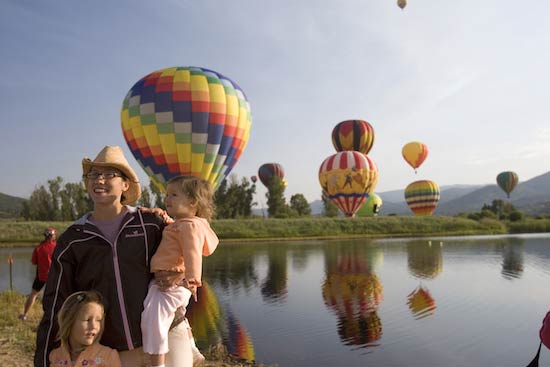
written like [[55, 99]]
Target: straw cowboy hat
[[112, 156]]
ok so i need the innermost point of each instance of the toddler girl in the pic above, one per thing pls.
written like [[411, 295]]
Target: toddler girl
[[190, 201]]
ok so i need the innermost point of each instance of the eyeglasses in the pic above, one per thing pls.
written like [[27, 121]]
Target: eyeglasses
[[104, 175]]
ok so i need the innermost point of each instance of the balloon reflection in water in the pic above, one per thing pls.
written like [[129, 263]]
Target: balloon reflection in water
[[213, 325], [239, 343], [354, 293], [425, 260], [421, 303], [512, 259], [205, 317]]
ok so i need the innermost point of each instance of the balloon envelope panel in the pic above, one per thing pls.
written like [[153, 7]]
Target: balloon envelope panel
[[186, 121]]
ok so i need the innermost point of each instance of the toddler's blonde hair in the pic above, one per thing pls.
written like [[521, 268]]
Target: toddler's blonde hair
[[198, 190]]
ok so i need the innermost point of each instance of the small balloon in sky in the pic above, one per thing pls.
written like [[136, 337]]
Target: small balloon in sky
[[415, 153], [355, 135], [507, 181], [269, 170], [402, 3]]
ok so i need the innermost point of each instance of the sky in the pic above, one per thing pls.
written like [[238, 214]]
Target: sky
[[468, 78]]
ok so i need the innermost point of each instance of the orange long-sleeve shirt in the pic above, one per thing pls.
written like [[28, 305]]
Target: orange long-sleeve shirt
[[183, 244]]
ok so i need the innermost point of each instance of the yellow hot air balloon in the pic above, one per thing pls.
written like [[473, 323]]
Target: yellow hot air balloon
[[415, 153], [422, 197]]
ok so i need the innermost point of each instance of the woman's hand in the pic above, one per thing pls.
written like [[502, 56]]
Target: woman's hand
[[166, 279], [158, 211]]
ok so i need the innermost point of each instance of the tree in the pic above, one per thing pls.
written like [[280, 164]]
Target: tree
[[145, 199], [276, 204], [55, 188], [38, 207], [157, 195], [234, 200], [329, 208], [299, 204]]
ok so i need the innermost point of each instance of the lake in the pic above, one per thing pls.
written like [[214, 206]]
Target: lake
[[448, 301]]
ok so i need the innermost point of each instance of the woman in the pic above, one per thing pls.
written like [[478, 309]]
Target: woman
[[109, 250]]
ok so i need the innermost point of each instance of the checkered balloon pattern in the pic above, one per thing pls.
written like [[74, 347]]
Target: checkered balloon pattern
[[186, 121]]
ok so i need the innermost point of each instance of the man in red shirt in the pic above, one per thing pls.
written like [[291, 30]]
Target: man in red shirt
[[42, 258]]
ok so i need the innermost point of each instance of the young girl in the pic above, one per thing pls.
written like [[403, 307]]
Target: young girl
[[81, 320], [190, 201]]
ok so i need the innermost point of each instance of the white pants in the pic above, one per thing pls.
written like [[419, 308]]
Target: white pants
[[180, 354], [158, 314]]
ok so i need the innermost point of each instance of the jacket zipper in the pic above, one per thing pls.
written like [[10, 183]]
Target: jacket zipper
[[118, 282]]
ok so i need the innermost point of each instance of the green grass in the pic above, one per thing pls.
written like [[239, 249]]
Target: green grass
[[314, 227]]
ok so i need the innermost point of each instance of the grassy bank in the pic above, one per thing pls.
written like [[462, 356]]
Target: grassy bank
[[314, 227], [17, 338]]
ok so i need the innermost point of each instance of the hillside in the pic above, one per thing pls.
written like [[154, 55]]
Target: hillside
[[10, 206], [531, 197]]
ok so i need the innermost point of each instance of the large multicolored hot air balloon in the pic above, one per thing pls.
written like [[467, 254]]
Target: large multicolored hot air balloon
[[269, 170], [507, 181], [348, 178], [355, 135], [422, 197], [186, 121], [415, 153], [371, 207]]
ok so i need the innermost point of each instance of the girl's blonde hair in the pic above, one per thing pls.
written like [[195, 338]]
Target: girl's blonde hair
[[69, 310], [200, 191]]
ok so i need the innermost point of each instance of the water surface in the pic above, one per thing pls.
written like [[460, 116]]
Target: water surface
[[457, 301]]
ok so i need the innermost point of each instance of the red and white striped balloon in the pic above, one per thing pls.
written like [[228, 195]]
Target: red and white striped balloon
[[347, 178]]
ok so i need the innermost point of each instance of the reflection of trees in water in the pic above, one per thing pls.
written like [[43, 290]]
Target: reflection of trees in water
[[421, 302], [425, 259], [353, 292], [232, 268], [215, 325], [274, 286], [299, 258], [512, 258]]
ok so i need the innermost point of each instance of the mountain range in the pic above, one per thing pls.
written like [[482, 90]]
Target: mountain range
[[531, 197]]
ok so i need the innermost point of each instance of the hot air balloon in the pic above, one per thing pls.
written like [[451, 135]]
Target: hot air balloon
[[186, 121], [507, 181], [253, 179], [371, 207], [348, 178], [415, 153], [422, 197], [269, 170], [402, 3], [355, 135], [421, 303]]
